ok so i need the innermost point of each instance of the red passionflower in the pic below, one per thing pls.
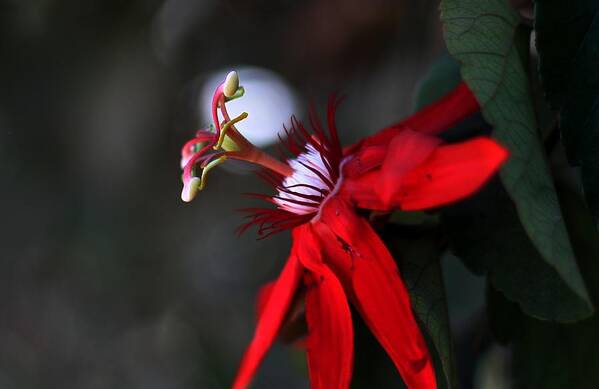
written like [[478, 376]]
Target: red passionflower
[[336, 255]]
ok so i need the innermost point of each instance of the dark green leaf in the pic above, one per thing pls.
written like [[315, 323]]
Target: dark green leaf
[[568, 46], [485, 232], [550, 355], [481, 35]]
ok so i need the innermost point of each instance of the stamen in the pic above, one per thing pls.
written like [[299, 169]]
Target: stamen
[[193, 146], [226, 142], [208, 167], [240, 92], [231, 84], [190, 182], [190, 189], [217, 99], [226, 127]]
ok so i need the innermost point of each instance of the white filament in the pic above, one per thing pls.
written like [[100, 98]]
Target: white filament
[[302, 175]]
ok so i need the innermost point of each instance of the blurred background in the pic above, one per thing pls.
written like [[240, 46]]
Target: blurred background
[[107, 279]]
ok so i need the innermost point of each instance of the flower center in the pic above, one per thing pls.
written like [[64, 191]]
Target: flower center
[[211, 148], [304, 190]]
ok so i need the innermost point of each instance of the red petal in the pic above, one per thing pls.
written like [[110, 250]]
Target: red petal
[[270, 321], [366, 267], [293, 329], [364, 159], [263, 297], [375, 189], [330, 332], [363, 191], [444, 113], [406, 151], [451, 173], [434, 118]]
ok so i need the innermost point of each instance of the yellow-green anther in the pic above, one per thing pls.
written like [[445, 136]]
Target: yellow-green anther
[[239, 93], [226, 127], [231, 84], [207, 168], [190, 189]]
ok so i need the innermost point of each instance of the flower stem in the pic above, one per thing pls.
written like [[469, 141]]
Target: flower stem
[[263, 159], [250, 153]]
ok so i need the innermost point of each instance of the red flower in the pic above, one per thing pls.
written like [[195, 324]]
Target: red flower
[[336, 255]]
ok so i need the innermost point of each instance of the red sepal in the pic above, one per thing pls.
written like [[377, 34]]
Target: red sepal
[[443, 113], [374, 188], [270, 321], [263, 297], [434, 118], [329, 343], [372, 280], [451, 173]]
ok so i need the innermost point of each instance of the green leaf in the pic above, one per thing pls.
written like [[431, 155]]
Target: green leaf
[[482, 36], [418, 258], [550, 355], [568, 45], [484, 231]]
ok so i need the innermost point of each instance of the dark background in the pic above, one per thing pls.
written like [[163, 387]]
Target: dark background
[[108, 280]]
